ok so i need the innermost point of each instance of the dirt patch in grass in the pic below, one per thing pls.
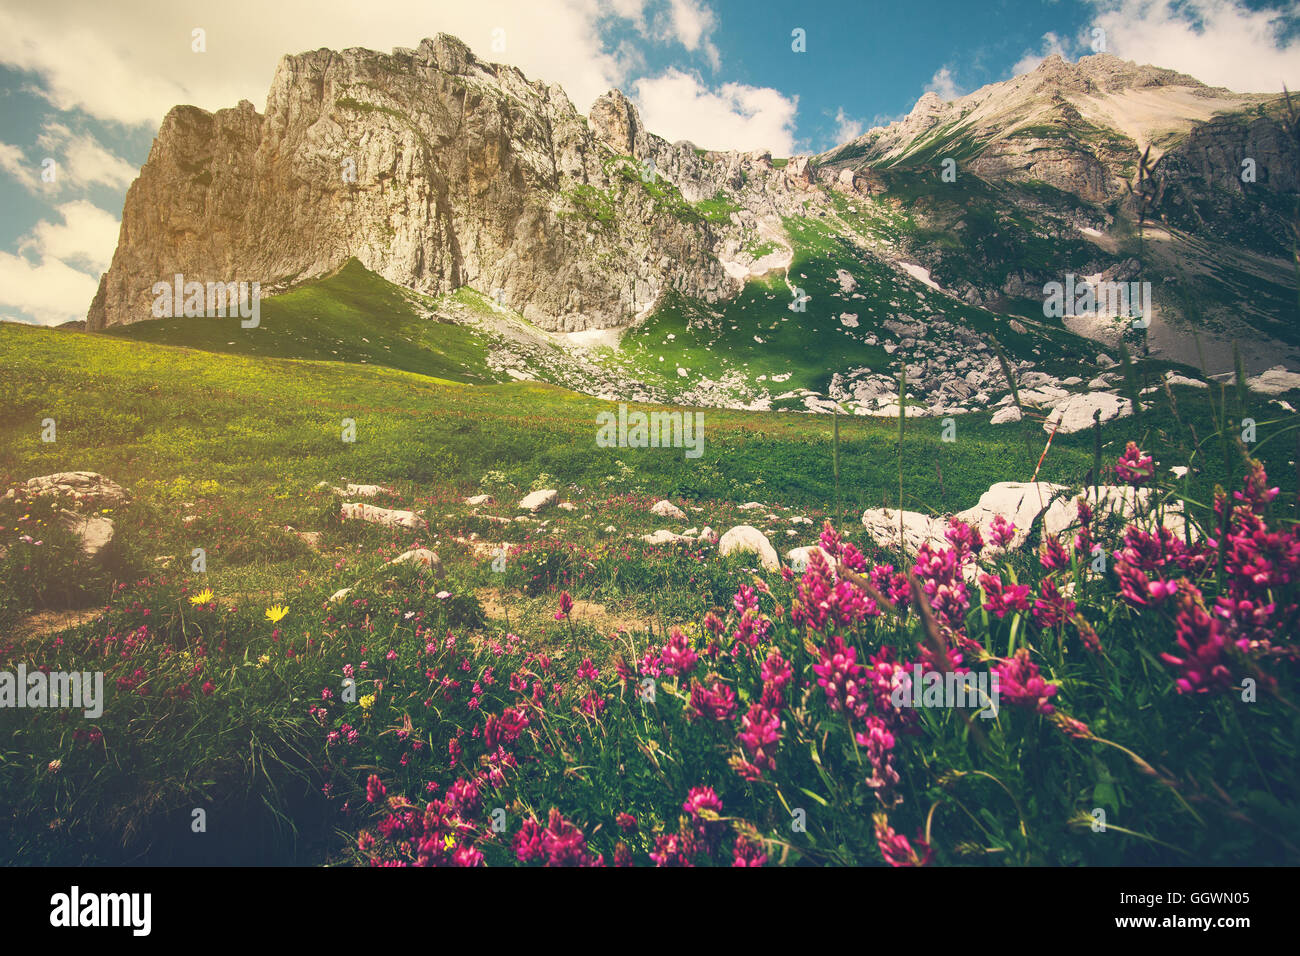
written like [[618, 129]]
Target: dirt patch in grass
[[606, 620], [45, 623]]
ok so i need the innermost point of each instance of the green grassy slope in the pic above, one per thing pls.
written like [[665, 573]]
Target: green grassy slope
[[753, 341], [224, 451], [757, 336], [172, 418], [350, 316]]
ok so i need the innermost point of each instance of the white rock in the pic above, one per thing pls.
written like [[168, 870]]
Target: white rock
[[750, 506], [95, 531], [477, 500], [567, 506], [1020, 502], [798, 558], [708, 536], [538, 500], [882, 526], [1004, 416], [748, 538], [340, 595], [1074, 414], [361, 511], [363, 491], [666, 509], [423, 557], [1275, 381], [664, 536], [1130, 505], [76, 485]]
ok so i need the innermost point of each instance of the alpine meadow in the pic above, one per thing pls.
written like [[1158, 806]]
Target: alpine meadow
[[562, 443]]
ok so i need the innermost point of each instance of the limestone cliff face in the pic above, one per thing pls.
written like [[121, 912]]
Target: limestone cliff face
[[433, 169], [438, 170], [1235, 178]]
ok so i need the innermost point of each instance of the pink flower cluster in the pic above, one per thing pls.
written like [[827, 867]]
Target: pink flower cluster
[[1134, 467]]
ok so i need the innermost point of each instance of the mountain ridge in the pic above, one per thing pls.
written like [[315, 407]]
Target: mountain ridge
[[467, 173]]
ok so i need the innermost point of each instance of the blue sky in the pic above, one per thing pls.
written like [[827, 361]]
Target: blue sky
[[86, 83]]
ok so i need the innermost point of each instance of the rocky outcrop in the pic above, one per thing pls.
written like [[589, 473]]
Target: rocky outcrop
[[1079, 411], [433, 169], [666, 509], [422, 558], [1050, 507], [1232, 177], [76, 486], [536, 501], [746, 538], [394, 518], [81, 492]]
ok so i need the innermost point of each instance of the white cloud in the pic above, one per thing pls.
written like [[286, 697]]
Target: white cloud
[[51, 289], [83, 161], [943, 84], [133, 66], [1220, 42], [692, 24], [846, 127], [87, 236], [13, 162], [1029, 61], [80, 161], [50, 292], [677, 105]]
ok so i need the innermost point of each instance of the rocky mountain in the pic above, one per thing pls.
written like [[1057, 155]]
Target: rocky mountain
[[1077, 126], [1058, 154], [435, 170], [676, 273]]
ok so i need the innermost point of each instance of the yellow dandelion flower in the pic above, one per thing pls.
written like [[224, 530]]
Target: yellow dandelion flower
[[276, 614], [264, 659], [203, 597]]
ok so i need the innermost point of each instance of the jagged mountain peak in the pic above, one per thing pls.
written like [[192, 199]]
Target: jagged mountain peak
[[1100, 94], [436, 169], [614, 118]]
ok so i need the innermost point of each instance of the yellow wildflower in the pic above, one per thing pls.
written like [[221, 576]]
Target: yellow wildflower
[[276, 614], [203, 597]]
